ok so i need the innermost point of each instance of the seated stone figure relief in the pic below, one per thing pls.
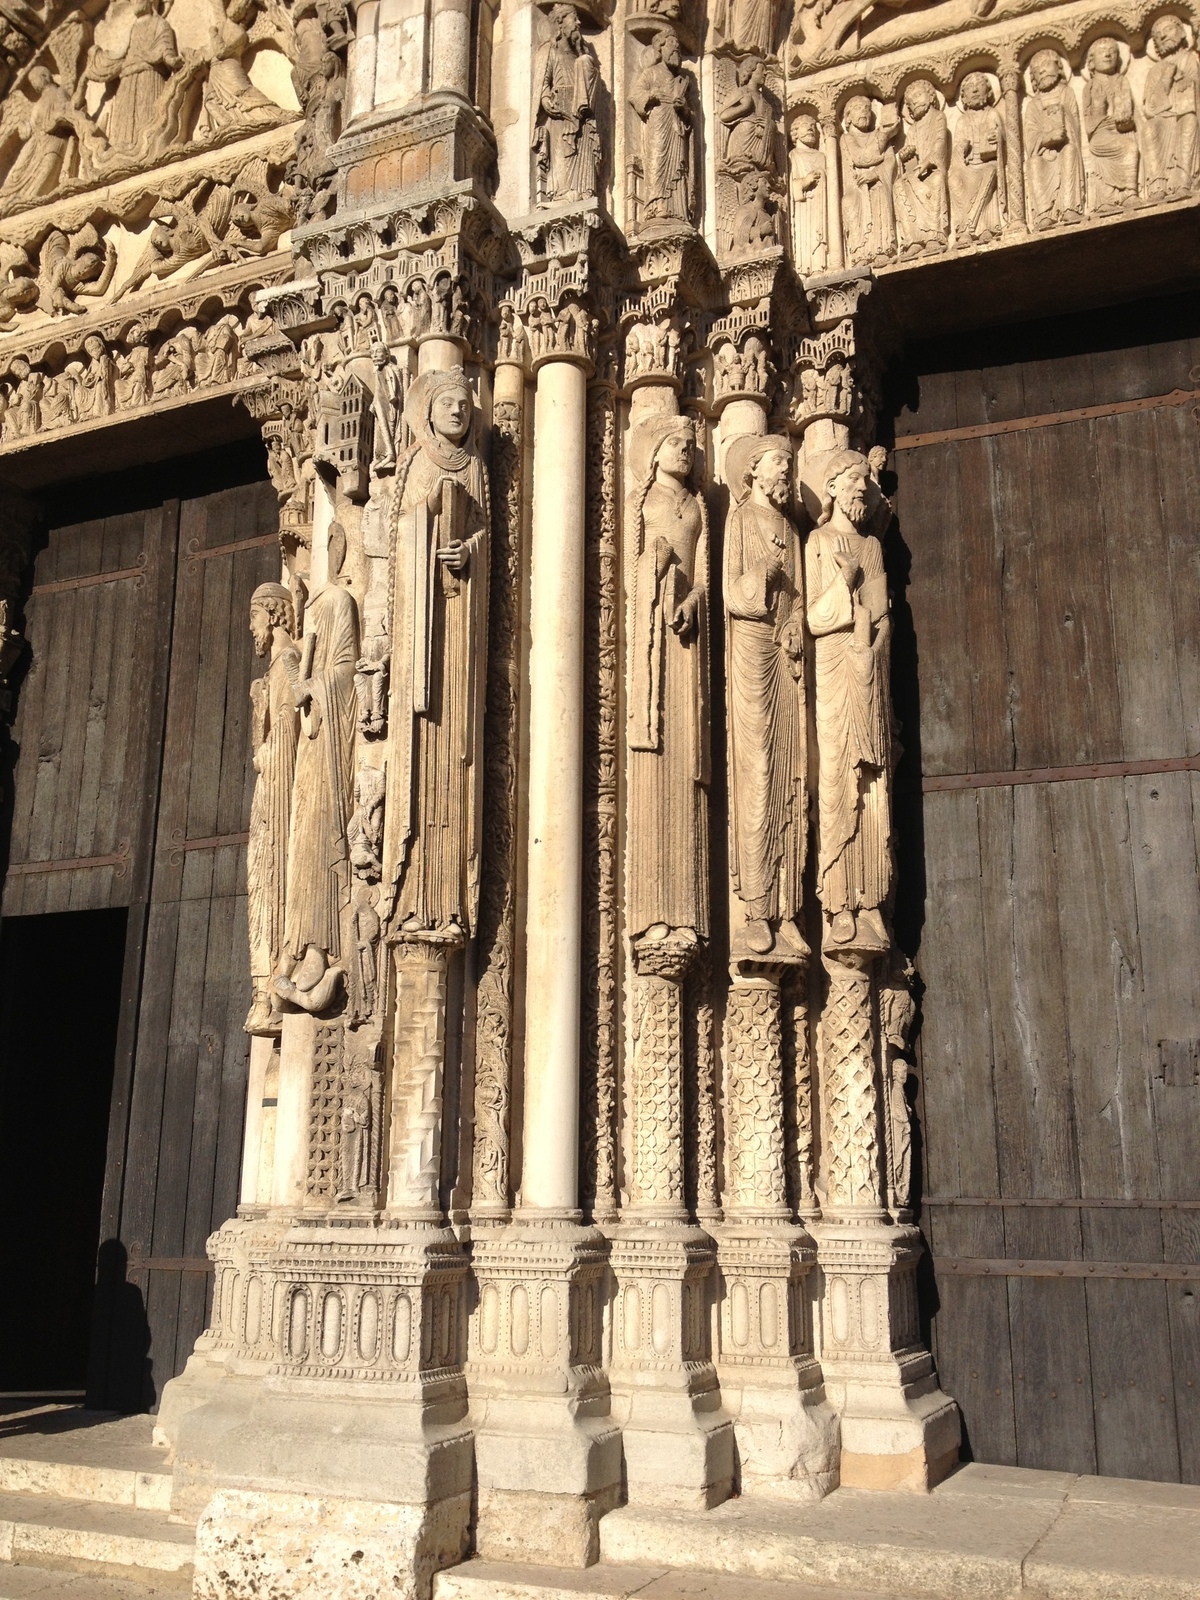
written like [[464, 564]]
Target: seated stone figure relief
[[977, 177], [1170, 108], [922, 193], [1053, 144], [1111, 126]]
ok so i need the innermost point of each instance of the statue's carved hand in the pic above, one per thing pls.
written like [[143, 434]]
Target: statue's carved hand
[[433, 499], [686, 618], [848, 566], [302, 692], [454, 555], [663, 556]]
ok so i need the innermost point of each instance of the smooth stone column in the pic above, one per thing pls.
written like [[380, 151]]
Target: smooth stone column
[[450, 55], [252, 1191], [555, 867], [439, 355]]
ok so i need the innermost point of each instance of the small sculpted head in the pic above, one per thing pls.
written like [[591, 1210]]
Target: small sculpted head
[[860, 114], [919, 98], [676, 453], [19, 368], [270, 608], [1105, 57], [566, 24], [1168, 35], [771, 475], [450, 412], [380, 355], [40, 79], [1046, 70], [806, 132], [95, 346], [848, 486], [976, 91]]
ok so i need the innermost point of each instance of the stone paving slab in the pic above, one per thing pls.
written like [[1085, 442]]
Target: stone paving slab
[[44, 1530], [47, 1583], [83, 1455], [495, 1580]]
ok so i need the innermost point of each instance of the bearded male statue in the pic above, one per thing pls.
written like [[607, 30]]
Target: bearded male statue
[[276, 723], [850, 624], [439, 538], [765, 678]]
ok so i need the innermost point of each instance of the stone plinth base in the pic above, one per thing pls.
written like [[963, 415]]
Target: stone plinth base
[[678, 1440], [787, 1433], [251, 1544], [899, 1431], [547, 1453]]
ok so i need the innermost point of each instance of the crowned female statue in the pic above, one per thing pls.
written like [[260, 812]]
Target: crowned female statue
[[668, 677], [439, 543]]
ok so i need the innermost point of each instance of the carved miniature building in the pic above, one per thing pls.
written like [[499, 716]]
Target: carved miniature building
[[686, 925]]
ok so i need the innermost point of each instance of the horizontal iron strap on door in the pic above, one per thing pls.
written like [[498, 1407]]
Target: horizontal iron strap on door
[[1048, 419], [168, 1264], [979, 1267], [941, 783], [120, 861], [61, 585], [179, 846], [1042, 1204]]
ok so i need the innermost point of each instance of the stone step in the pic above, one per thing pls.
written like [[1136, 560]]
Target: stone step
[[83, 1536], [52, 1583], [987, 1533], [502, 1580], [83, 1455]]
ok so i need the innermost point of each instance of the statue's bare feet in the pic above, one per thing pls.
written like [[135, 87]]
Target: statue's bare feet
[[758, 936], [841, 929], [871, 930]]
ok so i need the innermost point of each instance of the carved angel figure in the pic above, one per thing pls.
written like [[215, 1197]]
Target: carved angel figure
[[662, 99], [53, 133], [1108, 118], [667, 871], [977, 189], [18, 287], [922, 193], [764, 652], [566, 141], [276, 724], [318, 860], [869, 166], [1170, 107], [749, 121], [183, 231], [440, 525], [850, 623], [810, 222], [74, 268], [1053, 144]]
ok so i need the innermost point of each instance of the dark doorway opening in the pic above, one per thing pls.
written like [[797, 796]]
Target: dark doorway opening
[[60, 994]]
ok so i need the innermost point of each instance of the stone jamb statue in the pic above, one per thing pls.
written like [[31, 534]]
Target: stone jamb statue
[[764, 605], [439, 582]]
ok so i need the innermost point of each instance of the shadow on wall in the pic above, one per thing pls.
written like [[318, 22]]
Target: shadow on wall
[[120, 1371]]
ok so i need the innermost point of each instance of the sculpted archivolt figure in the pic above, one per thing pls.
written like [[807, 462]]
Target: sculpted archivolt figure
[[141, 72], [566, 141], [1170, 104], [662, 99], [810, 223], [668, 701], [977, 165], [869, 168], [318, 874], [276, 731], [47, 130], [1111, 129], [765, 687], [1053, 144], [849, 620], [922, 195], [439, 542]]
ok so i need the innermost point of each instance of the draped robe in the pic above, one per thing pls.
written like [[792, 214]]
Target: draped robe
[[277, 726], [1053, 155], [853, 718], [318, 873], [668, 719], [435, 720], [767, 730], [660, 98]]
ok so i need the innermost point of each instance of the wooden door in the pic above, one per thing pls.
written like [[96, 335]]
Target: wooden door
[[1047, 673], [132, 787]]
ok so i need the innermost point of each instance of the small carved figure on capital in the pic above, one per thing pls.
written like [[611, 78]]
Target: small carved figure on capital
[[977, 174], [1053, 144], [439, 535], [387, 405], [511, 344], [1171, 109], [566, 140], [668, 688], [763, 590], [1111, 126], [662, 99], [276, 723], [810, 219], [850, 623], [869, 168], [318, 877], [922, 194]]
